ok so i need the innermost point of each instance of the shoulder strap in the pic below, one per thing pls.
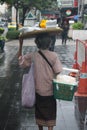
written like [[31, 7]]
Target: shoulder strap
[[45, 59]]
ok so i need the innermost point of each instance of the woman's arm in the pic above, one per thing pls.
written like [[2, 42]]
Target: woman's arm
[[20, 47], [24, 60]]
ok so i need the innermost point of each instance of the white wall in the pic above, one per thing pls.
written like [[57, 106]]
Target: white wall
[[13, 14], [85, 1], [3, 8]]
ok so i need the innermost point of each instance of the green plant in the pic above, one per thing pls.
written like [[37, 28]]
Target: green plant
[[1, 30], [11, 28], [3, 38], [13, 34], [78, 26]]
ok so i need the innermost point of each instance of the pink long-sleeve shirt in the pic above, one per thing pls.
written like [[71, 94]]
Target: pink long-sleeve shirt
[[42, 71]]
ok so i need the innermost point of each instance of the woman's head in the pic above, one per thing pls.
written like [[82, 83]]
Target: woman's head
[[43, 41]]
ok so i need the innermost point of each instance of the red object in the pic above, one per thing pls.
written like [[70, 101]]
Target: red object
[[81, 103], [80, 108], [75, 65], [73, 74], [75, 3], [81, 64], [82, 85], [80, 95]]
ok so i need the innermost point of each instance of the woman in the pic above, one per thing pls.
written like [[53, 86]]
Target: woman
[[45, 106], [65, 27]]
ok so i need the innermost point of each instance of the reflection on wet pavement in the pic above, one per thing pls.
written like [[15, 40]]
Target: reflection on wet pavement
[[6, 59]]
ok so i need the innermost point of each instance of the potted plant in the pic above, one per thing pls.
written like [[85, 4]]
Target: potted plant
[[78, 31], [2, 40], [1, 31], [78, 26]]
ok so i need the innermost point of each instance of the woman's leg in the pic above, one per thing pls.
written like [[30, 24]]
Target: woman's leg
[[62, 40], [50, 128], [40, 127]]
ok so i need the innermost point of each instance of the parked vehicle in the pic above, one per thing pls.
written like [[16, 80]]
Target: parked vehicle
[[2, 24], [11, 26]]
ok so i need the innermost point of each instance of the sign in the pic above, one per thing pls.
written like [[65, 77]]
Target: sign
[[30, 15], [75, 3], [68, 12]]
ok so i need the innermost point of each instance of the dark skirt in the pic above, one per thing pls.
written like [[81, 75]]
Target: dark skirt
[[45, 110]]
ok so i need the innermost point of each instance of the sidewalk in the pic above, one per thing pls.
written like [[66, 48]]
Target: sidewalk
[[12, 115], [30, 42]]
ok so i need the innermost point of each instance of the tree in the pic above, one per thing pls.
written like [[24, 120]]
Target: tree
[[27, 5]]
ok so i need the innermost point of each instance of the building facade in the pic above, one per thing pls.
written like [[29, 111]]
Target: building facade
[[3, 8], [67, 3]]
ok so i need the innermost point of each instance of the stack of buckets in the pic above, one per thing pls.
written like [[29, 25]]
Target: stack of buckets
[[81, 93], [82, 85]]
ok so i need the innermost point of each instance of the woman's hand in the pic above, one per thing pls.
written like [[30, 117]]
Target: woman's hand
[[24, 62]]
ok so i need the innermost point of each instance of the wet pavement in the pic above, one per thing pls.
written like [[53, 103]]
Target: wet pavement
[[12, 115]]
